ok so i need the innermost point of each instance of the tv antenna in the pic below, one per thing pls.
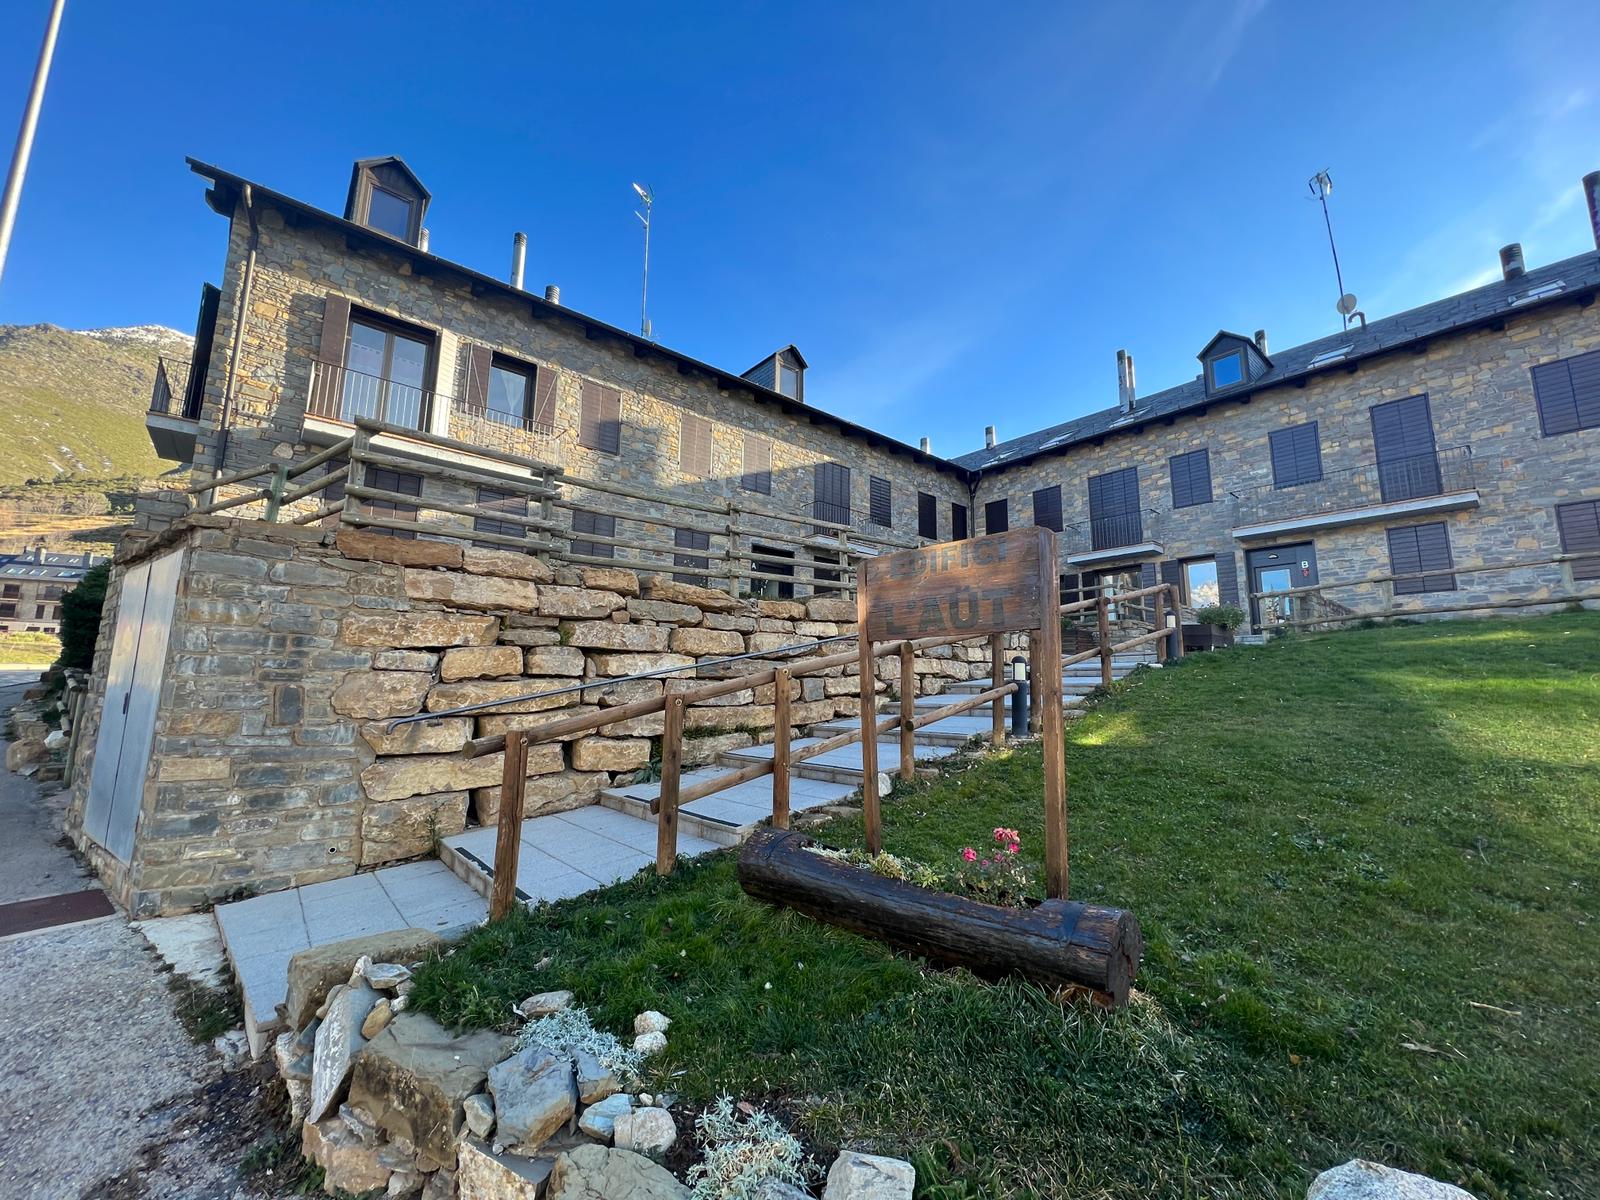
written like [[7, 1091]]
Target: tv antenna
[[648, 199], [1321, 184]]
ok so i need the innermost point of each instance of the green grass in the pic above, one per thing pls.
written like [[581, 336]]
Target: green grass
[[1365, 864], [29, 649]]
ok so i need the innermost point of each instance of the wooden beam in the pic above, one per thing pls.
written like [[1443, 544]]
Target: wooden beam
[[671, 781], [908, 712], [508, 833], [782, 731], [1047, 690]]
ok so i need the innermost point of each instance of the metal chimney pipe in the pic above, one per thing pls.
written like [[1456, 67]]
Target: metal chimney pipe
[[1511, 261], [552, 293], [519, 258], [1123, 403], [422, 241], [1261, 340], [1591, 193], [988, 437], [926, 446]]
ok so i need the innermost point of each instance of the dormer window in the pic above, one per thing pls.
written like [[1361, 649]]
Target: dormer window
[[1227, 370], [783, 372], [788, 381], [1231, 360], [386, 196], [390, 213]]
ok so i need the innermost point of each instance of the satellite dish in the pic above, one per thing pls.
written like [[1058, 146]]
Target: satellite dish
[[1347, 304]]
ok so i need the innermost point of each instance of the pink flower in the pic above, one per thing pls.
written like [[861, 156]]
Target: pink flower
[[1013, 847], [968, 853], [1007, 835]]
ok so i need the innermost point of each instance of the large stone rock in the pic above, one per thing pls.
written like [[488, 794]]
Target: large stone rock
[[595, 1080], [444, 735], [407, 828], [645, 1131], [597, 1173], [404, 660], [543, 795], [745, 717], [349, 1164], [414, 629], [826, 608], [414, 1079], [478, 1112], [610, 754], [611, 579], [480, 662], [481, 1174], [665, 611], [458, 589], [599, 1120], [509, 564], [582, 603], [659, 587], [504, 692], [408, 552], [607, 664], [534, 1096], [535, 722], [314, 972], [856, 1176], [422, 774], [1359, 1179], [370, 694], [554, 660], [614, 635], [338, 1042], [700, 751], [707, 642], [628, 691]]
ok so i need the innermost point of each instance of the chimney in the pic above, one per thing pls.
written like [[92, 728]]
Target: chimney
[[1511, 261], [422, 241], [1125, 387], [552, 293], [1591, 193], [988, 437], [926, 447], [1261, 342], [519, 257]]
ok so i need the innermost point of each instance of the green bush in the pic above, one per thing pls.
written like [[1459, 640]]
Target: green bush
[[1226, 615], [80, 618]]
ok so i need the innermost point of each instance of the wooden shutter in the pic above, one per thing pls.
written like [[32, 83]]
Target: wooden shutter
[[1567, 394], [879, 501], [1114, 517], [1296, 455], [1172, 572], [958, 522], [1402, 435], [927, 517], [1147, 578], [1421, 548], [493, 500], [480, 359], [387, 480], [831, 492], [694, 445], [601, 526], [691, 539], [330, 352], [996, 517], [1191, 478], [1227, 578], [544, 400], [757, 475], [1580, 534], [600, 427], [1047, 507]]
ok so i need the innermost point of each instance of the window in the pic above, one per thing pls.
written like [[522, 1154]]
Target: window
[[55, 613], [493, 500], [958, 522], [1329, 356], [1296, 455], [927, 517], [1417, 548], [386, 372], [600, 526], [12, 590], [8, 610], [779, 584], [1191, 478], [38, 612], [757, 475], [1402, 434], [1047, 507], [600, 421], [1568, 394], [788, 380], [831, 493], [1200, 586], [996, 519], [389, 213], [694, 445], [402, 482], [1227, 370], [1580, 534], [879, 508], [52, 593], [691, 539], [1114, 516]]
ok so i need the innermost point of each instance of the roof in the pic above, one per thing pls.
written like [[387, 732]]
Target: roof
[[1485, 306], [63, 567], [386, 160], [228, 185]]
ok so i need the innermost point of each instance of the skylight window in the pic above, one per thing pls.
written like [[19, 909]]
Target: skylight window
[[1554, 288], [1328, 356]]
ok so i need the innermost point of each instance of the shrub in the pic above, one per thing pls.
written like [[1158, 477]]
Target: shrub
[[80, 618], [742, 1155], [1227, 616]]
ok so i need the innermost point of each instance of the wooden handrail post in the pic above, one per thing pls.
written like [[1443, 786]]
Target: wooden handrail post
[[280, 480], [508, 833], [671, 783], [871, 817], [1102, 614], [1158, 624], [781, 733], [908, 711], [1177, 621], [1035, 659], [997, 672]]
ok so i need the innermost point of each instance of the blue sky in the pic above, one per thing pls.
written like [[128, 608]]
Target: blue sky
[[958, 212]]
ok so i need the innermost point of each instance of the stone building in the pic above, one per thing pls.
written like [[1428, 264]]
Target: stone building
[[32, 584]]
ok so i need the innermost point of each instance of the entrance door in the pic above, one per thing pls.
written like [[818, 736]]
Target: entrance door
[[1115, 583], [1279, 569], [133, 693]]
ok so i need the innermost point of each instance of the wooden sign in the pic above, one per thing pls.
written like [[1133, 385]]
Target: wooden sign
[[982, 585]]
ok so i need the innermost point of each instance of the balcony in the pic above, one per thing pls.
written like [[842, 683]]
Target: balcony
[[1126, 537], [173, 420], [1439, 481]]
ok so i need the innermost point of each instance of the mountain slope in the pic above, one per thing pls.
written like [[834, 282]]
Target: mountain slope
[[72, 404]]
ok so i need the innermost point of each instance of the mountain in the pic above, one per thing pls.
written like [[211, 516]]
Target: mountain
[[72, 403]]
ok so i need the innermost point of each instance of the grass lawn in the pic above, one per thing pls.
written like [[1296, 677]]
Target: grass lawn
[[29, 649], [1366, 866]]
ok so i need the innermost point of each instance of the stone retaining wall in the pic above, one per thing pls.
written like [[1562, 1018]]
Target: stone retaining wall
[[272, 763]]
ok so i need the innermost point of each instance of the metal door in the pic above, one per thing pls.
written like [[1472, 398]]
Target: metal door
[[133, 692]]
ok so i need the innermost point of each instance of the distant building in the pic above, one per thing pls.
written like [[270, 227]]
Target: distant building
[[32, 584]]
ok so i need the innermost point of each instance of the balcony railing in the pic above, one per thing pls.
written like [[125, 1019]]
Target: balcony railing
[[1110, 533], [342, 394], [169, 394], [1411, 477]]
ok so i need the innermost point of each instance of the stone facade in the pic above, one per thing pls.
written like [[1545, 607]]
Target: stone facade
[[274, 764]]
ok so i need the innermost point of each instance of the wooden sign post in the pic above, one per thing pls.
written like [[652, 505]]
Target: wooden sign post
[[1001, 583]]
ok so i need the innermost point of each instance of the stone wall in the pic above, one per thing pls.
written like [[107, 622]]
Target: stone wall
[[273, 765]]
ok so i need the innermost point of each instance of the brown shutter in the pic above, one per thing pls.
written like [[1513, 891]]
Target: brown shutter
[[694, 445], [757, 475], [479, 361], [601, 424], [544, 401], [330, 350]]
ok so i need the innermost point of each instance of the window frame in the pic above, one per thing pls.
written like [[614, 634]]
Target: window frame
[[392, 328], [990, 507], [960, 521], [1591, 364], [1184, 564], [1237, 356], [374, 190]]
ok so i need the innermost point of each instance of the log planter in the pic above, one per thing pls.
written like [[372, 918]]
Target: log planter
[[1206, 637], [1059, 943]]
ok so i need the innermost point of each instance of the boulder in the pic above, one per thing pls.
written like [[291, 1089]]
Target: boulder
[[595, 1080], [313, 972], [372, 694], [826, 608], [509, 564], [534, 1096], [444, 735], [378, 1019], [402, 776], [600, 1118], [478, 1112], [338, 1041], [610, 754], [597, 1173], [659, 587], [856, 1176], [480, 662], [612, 635], [407, 828], [611, 579], [783, 610], [386, 976], [419, 629], [664, 611], [707, 642], [348, 1164], [544, 794], [503, 692], [481, 1174], [384, 547], [651, 1021], [542, 1004], [460, 590], [776, 1189], [629, 691], [492, 723], [1359, 1179], [553, 660], [650, 1043], [645, 1131], [414, 1078], [582, 603]]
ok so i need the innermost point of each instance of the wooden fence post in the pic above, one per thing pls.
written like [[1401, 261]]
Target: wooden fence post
[[280, 480], [1177, 619], [781, 732], [1035, 658], [997, 672], [1052, 737], [908, 711], [1158, 624], [1103, 616], [671, 781], [508, 834], [870, 816]]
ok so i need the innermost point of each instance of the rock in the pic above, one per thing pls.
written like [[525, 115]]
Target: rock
[[869, 1177], [610, 754], [659, 587], [289, 1060], [233, 1046], [542, 1004], [441, 1185], [506, 693], [543, 794], [478, 1111], [313, 972], [699, 751], [404, 1185], [404, 660], [650, 1043], [578, 603], [358, 973], [481, 1174], [776, 1189], [651, 1021], [370, 694], [645, 1131], [534, 1096], [664, 611], [608, 665], [442, 735], [415, 1078], [610, 635], [534, 722], [378, 1019], [414, 629], [405, 776], [595, 1081], [459, 590], [338, 1041], [409, 827], [599, 1119], [553, 660], [611, 579], [509, 564], [387, 976], [822, 608], [408, 552], [359, 1121], [349, 1165], [706, 641], [299, 1091], [54, 740], [596, 1173], [480, 662], [1362, 1180]]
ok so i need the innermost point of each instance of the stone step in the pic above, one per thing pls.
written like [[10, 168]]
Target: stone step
[[727, 817], [952, 731], [842, 765]]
